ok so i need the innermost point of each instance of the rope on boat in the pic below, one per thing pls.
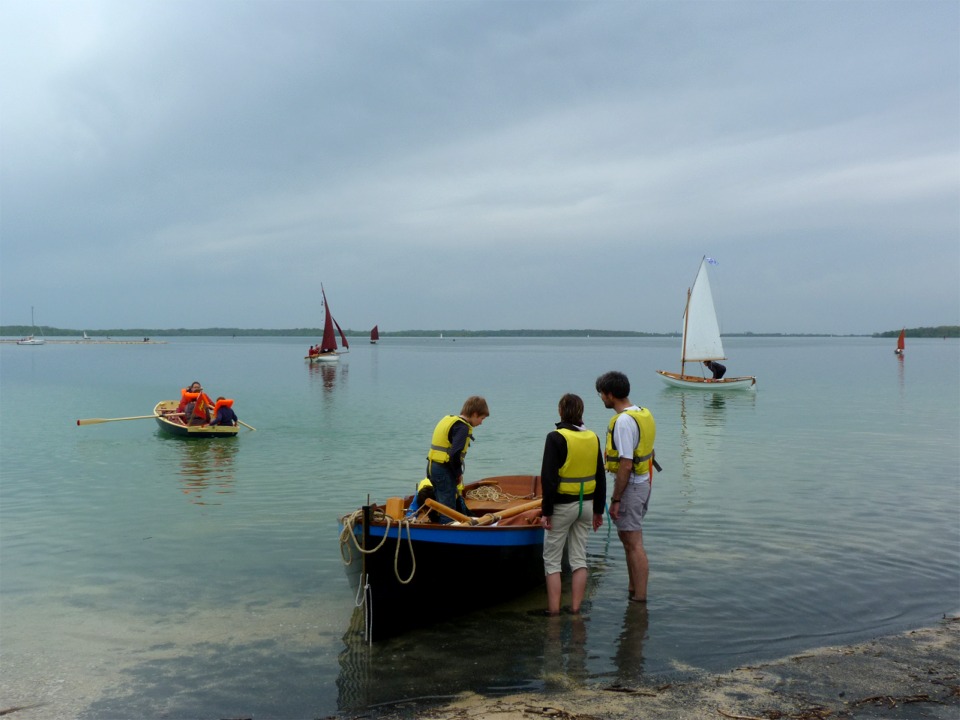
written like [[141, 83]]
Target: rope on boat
[[378, 516], [493, 493]]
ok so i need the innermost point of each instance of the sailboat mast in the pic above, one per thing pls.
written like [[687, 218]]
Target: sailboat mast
[[683, 346]]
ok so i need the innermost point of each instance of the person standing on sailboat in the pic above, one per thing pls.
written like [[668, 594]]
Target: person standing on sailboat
[[448, 448], [629, 456]]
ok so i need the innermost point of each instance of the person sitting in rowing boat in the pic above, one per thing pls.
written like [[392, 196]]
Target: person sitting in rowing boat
[[194, 405], [224, 414], [448, 448], [716, 368], [574, 498]]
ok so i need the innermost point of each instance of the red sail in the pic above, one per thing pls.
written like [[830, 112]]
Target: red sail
[[329, 342], [343, 338], [903, 334], [374, 334]]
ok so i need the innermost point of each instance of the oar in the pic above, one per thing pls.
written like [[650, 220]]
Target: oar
[[241, 422], [449, 512], [94, 421], [491, 518]]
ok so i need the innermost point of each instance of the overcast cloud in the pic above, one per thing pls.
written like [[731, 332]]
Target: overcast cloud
[[488, 165]]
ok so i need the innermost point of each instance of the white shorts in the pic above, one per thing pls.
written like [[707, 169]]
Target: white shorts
[[570, 530]]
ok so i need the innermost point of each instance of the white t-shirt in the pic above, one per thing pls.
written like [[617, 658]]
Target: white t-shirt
[[626, 437]]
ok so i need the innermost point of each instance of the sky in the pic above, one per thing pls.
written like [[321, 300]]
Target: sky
[[479, 165]]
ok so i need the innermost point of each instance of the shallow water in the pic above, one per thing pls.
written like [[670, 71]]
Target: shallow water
[[142, 575]]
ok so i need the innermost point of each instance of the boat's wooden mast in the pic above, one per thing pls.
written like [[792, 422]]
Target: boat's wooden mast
[[683, 350]]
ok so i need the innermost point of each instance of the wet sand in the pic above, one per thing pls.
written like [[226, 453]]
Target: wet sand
[[915, 675]]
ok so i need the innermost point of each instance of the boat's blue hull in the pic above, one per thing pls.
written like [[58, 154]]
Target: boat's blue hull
[[451, 569]]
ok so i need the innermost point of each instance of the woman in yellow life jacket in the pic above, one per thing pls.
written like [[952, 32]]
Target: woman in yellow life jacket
[[448, 447], [574, 497]]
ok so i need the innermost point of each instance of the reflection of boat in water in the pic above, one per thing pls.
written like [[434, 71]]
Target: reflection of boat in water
[[701, 340], [206, 471], [404, 567], [484, 652], [329, 374]]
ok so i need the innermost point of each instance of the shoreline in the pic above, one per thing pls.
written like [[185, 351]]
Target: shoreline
[[915, 674]]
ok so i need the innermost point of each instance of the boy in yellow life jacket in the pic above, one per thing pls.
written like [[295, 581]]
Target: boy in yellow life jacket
[[448, 447]]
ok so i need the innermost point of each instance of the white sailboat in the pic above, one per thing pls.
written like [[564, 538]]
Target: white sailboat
[[33, 339], [701, 340]]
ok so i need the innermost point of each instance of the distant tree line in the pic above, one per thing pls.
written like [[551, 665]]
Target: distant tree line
[[950, 331], [21, 330]]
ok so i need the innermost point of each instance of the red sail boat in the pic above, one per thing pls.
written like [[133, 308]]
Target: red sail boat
[[899, 350], [328, 350], [374, 335]]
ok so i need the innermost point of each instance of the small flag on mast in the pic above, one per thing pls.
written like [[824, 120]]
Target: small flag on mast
[[712, 261]]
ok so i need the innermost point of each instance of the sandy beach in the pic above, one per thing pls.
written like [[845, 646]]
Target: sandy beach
[[914, 675]]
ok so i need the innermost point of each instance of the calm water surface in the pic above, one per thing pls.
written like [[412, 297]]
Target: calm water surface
[[142, 575]]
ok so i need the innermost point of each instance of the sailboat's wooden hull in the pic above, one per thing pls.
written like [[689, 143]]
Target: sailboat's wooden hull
[[691, 382]]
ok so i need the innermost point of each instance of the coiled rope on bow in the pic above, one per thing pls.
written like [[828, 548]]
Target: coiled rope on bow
[[493, 493], [347, 534]]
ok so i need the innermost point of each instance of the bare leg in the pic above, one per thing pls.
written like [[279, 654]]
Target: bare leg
[[578, 589], [553, 593], [638, 567]]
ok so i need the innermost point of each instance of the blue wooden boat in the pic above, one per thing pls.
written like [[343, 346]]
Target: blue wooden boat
[[409, 571]]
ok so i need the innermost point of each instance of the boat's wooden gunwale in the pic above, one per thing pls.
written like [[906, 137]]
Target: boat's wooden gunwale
[[189, 431], [700, 383]]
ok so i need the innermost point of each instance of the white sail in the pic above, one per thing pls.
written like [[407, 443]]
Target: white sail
[[701, 333]]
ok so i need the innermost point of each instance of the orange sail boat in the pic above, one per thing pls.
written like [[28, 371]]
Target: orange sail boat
[[899, 350]]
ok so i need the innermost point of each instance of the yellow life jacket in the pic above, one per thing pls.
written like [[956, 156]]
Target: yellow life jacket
[[644, 450], [440, 443], [578, 474]]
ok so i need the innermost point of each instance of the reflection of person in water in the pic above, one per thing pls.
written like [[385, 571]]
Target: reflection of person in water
[[565, 652], [629, 655]]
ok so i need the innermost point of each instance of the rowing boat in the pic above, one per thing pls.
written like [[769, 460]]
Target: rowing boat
[[409, 571], [170, 421]]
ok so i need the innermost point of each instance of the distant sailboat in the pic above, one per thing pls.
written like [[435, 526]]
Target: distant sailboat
[[900, 345], [329, 352], [374, 335], [701, 339], [33, 339]]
